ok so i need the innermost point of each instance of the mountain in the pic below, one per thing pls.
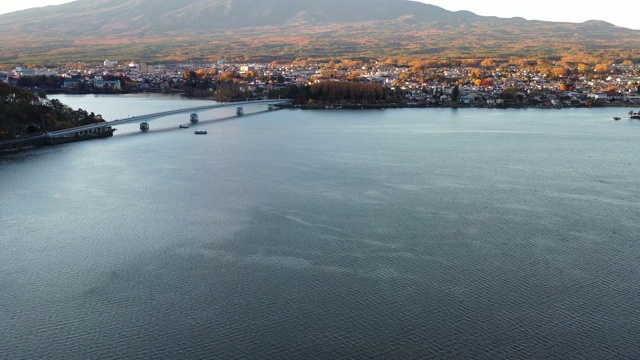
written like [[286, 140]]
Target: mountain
[[169, 30], [144, 17]]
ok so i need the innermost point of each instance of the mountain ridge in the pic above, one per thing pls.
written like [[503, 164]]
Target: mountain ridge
[[166, 30], [92, 16]]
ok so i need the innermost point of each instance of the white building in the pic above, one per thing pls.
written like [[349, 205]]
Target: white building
[[109, 63], [100, 83], [634, 99]]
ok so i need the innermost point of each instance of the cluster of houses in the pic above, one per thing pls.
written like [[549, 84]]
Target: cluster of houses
[[620, 85]]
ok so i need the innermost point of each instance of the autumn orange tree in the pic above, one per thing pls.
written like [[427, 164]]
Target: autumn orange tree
[[559, 72], [476, 74], [602, 68], [227, 76]]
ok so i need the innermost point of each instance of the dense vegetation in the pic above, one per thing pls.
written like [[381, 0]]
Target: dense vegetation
[[23, 113], [339, 92]]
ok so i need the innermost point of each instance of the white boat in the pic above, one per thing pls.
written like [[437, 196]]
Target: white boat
[[239, 110], [200, 132]]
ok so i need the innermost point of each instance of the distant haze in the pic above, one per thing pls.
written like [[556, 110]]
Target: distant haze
[[548, 10], [622, 13], [11, 6]]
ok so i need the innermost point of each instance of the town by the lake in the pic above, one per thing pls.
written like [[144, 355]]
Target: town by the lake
[[487, 83], [342, 84]]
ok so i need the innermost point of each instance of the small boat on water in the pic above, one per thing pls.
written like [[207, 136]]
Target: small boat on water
[[239, 111], [144, 126], [616, 118], [194, 118], [200, 132], [184, 126], [634, 115]]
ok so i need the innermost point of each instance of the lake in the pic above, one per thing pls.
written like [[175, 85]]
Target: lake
[[374, 234]]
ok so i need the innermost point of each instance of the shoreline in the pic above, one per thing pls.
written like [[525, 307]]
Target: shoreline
[[40, 140], [334, 106]]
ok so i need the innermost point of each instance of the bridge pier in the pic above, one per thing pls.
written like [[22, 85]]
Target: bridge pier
[[195, 110]]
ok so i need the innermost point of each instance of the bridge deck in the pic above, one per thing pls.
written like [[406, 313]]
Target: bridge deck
[[149, 117]]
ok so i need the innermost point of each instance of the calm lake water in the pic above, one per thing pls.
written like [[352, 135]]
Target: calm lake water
[[385, 234]]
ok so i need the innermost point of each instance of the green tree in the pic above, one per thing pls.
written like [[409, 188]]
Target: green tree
[[455, 94]]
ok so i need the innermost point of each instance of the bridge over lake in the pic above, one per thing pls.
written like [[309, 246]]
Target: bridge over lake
[[106, 128]]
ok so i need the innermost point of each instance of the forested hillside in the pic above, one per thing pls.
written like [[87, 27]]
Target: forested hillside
[[256, 30], [23, 113]]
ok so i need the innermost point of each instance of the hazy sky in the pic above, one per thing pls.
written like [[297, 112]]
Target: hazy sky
[[621, 12]]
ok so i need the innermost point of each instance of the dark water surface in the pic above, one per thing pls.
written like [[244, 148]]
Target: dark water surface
[[416, 233]]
